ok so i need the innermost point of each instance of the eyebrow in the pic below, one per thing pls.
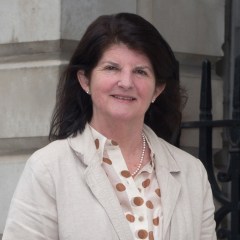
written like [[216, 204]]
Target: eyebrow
[[110, 62], [137, 67]]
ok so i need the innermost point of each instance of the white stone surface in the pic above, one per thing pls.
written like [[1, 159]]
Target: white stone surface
[[27, 97], [10, 170], [78, 14], [29, 20], [191, 26]]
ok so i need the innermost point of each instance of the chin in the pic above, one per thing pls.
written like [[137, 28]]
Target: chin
[[125, 117]]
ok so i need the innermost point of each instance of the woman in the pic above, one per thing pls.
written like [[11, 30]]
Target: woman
[[108, 175]]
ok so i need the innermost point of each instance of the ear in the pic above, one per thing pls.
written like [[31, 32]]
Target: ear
[[83, 80], [158, 90]]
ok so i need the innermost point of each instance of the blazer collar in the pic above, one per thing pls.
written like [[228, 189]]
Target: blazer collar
[[163, 151], [83, 145]]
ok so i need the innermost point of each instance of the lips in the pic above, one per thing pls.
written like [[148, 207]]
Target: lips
[[126, 98]]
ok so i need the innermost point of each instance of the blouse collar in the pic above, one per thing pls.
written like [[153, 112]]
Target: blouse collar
[[103, 144]]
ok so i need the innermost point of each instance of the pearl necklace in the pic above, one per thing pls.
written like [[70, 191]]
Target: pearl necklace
[[142, 156]]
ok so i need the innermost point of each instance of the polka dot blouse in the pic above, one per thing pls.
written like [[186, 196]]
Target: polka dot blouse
[[139, 197]]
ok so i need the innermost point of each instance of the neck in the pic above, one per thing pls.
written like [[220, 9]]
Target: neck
[[125, 133], [128, 135]]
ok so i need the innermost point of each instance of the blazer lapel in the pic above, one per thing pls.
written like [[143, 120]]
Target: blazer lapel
[[170, 190], [100, 186], [166, 171], [98, 182]]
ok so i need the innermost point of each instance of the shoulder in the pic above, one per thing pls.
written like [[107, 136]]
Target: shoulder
[[177, 153], [54, 149], [173, 157], [184, 160], [50, 155]]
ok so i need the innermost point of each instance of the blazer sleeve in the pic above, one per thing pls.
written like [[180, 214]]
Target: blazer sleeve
[[208, 223], [33, 214]]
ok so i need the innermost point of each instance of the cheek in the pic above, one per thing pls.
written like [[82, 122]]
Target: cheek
[[147, 89], [102, 83], [99, 92]]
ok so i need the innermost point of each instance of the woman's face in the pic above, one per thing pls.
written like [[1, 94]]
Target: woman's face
[[122, 85]]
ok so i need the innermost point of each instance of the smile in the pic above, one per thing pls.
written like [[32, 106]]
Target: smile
[[124, 98]]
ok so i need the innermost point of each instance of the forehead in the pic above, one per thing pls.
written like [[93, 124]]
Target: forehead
[[122, 53]]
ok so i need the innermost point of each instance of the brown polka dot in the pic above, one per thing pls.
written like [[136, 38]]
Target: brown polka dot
[[130, 217], [150, 235], [138, 201], [120, 187], [114, 143], [156, 221], [97, 143], [149, 204], [125, 173], [142, 234], [146, 183], [107, 160], [158, 192]]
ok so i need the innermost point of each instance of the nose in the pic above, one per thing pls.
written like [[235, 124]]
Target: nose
[[125, 80]]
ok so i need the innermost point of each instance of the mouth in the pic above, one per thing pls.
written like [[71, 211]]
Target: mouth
[[125, 98]]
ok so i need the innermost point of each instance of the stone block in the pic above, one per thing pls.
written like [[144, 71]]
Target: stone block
[[191, 26], [29, 20], [27, 95]]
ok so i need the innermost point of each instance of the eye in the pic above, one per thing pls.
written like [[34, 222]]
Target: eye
[[141, 72], [110, 67]]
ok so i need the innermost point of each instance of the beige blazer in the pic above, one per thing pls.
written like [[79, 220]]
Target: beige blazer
[[64, 194]]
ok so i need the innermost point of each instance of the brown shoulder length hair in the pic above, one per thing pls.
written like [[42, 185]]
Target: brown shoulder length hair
[[73, 107]]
